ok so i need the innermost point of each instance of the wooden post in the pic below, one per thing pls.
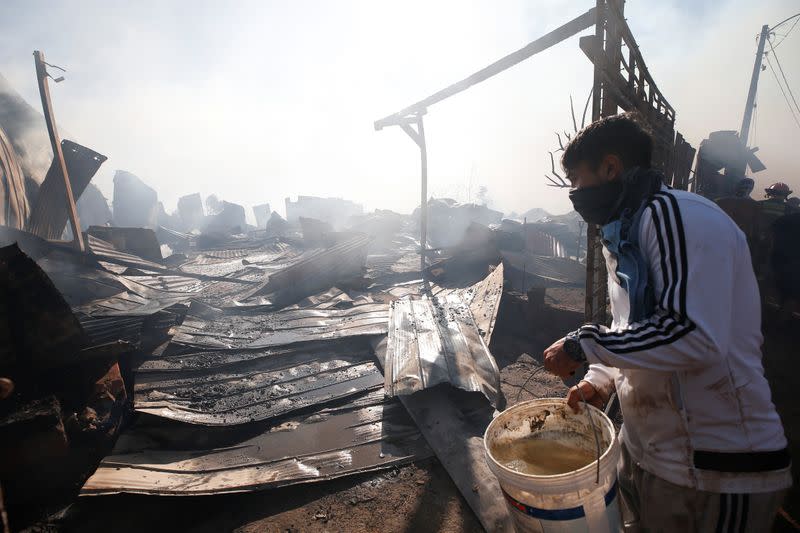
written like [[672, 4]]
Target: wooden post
[[423, 206], [58, 154], [595, 309]]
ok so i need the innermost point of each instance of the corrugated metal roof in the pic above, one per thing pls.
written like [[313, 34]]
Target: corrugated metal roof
[[102, 330], [365, 434], [315, 272], [237, 387], [258, 329], [436, 340]]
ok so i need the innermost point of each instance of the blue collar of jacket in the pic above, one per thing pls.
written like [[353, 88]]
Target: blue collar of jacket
[[621, 238]]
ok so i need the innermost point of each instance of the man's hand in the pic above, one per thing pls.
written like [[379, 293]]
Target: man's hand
[[590, 394], [558, 362]]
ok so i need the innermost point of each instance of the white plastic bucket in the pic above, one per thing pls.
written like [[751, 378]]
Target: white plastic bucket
[[569, 502]]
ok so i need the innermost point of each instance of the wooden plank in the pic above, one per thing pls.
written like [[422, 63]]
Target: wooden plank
[[576, 25], [453, 423], [47, 108]]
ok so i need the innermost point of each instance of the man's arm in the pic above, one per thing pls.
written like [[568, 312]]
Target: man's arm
[[602, 379], [692, 317]]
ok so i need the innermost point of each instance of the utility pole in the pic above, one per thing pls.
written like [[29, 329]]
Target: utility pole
[[55, 141], [751, 94]]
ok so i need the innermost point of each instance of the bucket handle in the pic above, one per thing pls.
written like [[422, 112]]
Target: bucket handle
[[594, 432], [588, 412]]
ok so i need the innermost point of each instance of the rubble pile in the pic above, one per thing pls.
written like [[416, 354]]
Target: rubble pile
[[190, 353]]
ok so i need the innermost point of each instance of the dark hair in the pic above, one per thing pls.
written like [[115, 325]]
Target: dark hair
[[622, 135]]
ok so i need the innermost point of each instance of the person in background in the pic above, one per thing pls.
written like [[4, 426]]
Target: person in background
[[744, 188], [703, 448], [774, 207], [774, 204], [743, 209]]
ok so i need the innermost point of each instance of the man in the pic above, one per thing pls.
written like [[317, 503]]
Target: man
[[703, 448]]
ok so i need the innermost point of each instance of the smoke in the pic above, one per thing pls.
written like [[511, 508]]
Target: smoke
[[26, 129], [703, 64], [264, 100]]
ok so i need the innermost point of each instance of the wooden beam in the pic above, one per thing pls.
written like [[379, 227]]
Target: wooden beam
[[569, 29], [55, 141]]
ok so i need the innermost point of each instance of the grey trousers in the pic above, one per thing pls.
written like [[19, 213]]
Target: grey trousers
[[651, 504]]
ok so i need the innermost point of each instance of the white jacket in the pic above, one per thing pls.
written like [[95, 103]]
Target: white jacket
[[691, 385]]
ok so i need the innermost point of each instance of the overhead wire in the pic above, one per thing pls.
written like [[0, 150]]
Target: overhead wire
[[784, 21], [783, 75], [785, 97], [785, 35]]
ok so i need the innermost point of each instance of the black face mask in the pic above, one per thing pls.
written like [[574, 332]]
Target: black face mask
[[598, 204]]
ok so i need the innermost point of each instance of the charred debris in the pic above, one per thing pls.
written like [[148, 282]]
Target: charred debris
[[190, 353]]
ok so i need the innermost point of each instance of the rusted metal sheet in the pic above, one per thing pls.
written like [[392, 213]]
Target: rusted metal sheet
[[257, 329], [366, 434], [435, 340], [231, 387], [14, 209], [50, 212]]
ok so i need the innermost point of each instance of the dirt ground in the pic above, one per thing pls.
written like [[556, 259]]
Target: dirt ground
[[416, 497]]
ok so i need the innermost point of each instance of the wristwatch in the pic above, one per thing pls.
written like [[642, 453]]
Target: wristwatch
[[572, 345]]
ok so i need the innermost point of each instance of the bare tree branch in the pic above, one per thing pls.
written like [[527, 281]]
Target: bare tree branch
[[586, 108], [553, 183], [553, 166], [557, 180], [572, 111]]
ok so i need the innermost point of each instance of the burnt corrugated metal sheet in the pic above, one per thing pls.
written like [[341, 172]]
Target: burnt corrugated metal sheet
[[49, 215], [255, 329], [272, 256], [436, 340], [102, 330], [548, 271], [484, 302], [106, 251], [315, 272], [237, 387], [366, 434], [14, 209]]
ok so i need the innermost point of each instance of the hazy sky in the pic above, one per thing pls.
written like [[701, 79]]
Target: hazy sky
[[259, 100]]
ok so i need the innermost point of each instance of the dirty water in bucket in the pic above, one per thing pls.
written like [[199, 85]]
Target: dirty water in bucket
[[557, 469], [541, 456]]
